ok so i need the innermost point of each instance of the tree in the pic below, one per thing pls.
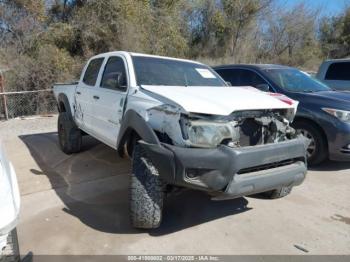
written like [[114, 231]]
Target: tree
[[289, 36], [335, 35]]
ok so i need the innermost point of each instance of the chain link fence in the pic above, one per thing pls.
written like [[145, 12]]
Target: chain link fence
[[27, 103]]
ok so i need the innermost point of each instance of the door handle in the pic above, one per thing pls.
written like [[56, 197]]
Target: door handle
[[78, 93], [96, 97]]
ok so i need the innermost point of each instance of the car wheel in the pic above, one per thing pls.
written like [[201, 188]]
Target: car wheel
[[317, 150], [11, 251], [69, 135], [146, 191]]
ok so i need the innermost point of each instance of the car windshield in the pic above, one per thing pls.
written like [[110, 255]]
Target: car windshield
[[295, 81], [169, 72]]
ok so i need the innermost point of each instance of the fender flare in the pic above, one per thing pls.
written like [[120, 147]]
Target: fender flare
[[62, 98], [132, 121]]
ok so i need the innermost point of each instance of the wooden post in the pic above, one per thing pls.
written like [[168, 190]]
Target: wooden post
[[2, 90]]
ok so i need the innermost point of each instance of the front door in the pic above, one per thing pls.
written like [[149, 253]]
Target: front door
[[108, 100]]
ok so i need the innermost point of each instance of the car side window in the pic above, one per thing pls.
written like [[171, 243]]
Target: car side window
[[230, 75], [250, 78], [338, 71], [92, 71], [114, 75]]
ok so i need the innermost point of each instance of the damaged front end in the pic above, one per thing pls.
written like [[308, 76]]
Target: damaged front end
[[240, 129], [244, 153]]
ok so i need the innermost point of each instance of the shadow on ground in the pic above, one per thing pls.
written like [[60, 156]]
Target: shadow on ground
[[93, 185], [331, 166]]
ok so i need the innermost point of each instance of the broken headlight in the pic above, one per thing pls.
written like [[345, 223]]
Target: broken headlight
[[209, 134]]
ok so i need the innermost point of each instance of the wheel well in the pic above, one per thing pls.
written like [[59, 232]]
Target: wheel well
[[314, 124], [127, 147]]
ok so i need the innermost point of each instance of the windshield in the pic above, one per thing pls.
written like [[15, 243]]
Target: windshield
[[295, 81], [168, 72]]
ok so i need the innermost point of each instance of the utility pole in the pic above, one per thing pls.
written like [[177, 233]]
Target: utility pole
[[2, 93]]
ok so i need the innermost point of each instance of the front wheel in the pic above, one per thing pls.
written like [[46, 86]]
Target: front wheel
[[146, 191], [317, 150]]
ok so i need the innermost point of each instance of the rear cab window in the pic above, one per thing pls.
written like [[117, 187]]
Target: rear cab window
[[338, 71], [92, 71]]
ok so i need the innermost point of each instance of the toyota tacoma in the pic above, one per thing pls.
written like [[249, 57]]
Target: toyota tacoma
[[183, 127]]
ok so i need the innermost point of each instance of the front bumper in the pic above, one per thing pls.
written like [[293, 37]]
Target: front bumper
[[231, 172]]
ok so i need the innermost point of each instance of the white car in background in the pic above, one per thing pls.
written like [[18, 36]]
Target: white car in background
[[9, 210]]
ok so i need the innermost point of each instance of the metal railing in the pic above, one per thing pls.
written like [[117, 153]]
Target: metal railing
[[27, 103]]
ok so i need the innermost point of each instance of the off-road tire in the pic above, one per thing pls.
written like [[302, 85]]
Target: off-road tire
[[277, 193], [146, 191], [69, 135], [321, 149], [11, 251]]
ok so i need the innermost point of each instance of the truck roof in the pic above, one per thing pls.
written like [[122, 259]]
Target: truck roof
[[126, 53]]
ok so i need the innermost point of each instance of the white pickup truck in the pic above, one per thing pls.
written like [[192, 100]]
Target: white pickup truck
[[183, 127]]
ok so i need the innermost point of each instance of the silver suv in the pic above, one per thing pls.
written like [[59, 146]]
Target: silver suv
[[335, 73]]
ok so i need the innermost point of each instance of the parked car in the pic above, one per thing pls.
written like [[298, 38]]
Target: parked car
[[323, 114], [184, 127], [9, 210], [335, 73]]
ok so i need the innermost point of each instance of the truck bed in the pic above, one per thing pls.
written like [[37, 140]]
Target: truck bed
[[65, 88]]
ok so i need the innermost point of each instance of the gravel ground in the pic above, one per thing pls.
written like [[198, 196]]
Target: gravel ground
[[28, 125], [78, 204]]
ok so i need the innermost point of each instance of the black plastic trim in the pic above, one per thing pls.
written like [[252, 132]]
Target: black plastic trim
[[132, 121]]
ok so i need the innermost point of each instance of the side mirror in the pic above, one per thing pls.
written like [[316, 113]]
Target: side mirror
[[228, 83], [118, 82], [263, 87]]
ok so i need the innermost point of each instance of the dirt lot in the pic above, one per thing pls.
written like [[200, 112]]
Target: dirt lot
[[79, 205]]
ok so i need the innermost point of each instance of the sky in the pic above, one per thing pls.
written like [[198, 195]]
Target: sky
[[329, 7]]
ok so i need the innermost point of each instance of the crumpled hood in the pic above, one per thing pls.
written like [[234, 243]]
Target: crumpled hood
[[218, 100]]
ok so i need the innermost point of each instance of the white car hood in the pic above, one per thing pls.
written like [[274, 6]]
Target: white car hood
[[219, 100]]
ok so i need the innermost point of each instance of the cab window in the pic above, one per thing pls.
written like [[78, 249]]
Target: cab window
[[92, 71], [230, 75], [114, 75], [338, 71], [250, 78]]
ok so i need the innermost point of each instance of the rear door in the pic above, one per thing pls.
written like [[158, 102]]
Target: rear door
[[109, 99], [338, 76], [83, 99]]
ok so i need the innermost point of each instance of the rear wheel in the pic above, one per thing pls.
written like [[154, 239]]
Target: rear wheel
[[146, 191], [69, 135], [317, 151]]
